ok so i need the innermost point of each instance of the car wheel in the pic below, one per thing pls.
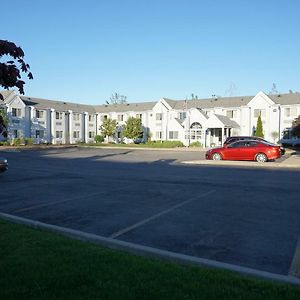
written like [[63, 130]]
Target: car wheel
[[216, 156], [260, 157]]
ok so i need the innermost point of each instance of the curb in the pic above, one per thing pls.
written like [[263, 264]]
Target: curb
[[36, 148], [268, 165], [150, 252], [179, 149]]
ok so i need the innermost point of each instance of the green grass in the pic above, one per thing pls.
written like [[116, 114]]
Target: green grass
[[42, 265]]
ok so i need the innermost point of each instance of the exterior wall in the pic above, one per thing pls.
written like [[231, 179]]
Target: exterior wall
[[39, 124], [275, 119], [17, 124]]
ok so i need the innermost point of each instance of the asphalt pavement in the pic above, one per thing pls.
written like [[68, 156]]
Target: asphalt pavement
[[240, 215]]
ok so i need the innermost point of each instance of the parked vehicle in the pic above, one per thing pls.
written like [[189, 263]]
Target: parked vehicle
[[232, 139], [260, 151], [3, 165], [288, 139]]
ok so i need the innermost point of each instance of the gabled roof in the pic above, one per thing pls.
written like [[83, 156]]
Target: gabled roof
[[106, 108], [227, 122], [209, 102], [179, 121], [57, 105], [286, 99]]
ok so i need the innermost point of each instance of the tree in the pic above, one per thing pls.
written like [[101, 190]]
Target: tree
[[10, 72], [3, 123], [116, 98], [273, 90], [108, 127], [132, 128], [296, 127], [194, 97], [259, 128]]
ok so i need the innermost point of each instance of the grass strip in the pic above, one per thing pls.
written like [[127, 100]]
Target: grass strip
[[36, 264]]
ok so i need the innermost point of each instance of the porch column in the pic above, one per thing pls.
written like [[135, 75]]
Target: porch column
[[222, 136], [209, 137]]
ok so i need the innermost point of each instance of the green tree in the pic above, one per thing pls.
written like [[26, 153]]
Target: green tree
[[3, 122], [259, 128], [132, 128], [108, 127]]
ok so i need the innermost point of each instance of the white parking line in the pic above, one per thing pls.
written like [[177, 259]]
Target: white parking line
[[136, 225], [71, 199], [54, 202], [295, 265]]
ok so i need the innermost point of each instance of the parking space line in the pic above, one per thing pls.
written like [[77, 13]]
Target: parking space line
[[70, 199], [54, 202], [295, 265], [136, 225]]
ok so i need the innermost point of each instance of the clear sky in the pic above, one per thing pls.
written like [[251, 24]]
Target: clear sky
[[83, 51]]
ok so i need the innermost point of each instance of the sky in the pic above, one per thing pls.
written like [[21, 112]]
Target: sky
[[83, 51]]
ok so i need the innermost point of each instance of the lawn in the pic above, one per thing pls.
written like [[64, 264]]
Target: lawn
[[41, 265]]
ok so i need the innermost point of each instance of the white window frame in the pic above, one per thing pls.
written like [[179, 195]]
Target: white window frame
[[58, 115], [16, 112], [158, 116]]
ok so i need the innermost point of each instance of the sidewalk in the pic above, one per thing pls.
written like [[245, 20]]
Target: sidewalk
[[292, 161]]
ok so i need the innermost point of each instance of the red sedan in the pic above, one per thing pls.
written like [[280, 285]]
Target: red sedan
[[245, 150]]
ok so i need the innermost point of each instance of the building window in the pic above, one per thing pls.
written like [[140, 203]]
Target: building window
[[39, 114], [91, 118], [182, 115], [91, 134], [16, 133], [195, 131], [59, 134], [231, 114], [76, 134], [59, 115], [259, 112], [39, 134], [76, 117], [159, 135], [120, 118], [139, 116], [173, 135], [290, 112], [16, 112], [104, 118], [159, 116]]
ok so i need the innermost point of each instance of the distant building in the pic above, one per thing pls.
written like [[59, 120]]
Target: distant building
[[208, 121]]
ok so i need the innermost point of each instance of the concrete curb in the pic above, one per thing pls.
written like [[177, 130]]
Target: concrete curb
[[36, 148], [149, 251], [268, 165], [178, 149]]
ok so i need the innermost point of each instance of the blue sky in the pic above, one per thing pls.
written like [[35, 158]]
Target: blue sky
[[83, 51]]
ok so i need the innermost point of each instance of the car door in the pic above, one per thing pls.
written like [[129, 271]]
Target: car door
[[248, 150], [232, 151]]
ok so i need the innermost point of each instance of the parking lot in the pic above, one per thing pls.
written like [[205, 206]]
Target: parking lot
[[243, 216]]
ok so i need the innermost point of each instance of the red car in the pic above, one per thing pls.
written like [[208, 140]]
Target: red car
[[245, 150]]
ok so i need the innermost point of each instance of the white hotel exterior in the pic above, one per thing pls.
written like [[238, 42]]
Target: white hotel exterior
[[208, 121]]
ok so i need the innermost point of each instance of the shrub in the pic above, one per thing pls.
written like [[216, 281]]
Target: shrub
[[18, 142], [196, 144], [164, 144], [5, 143], [28, 141], [99, 138]]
